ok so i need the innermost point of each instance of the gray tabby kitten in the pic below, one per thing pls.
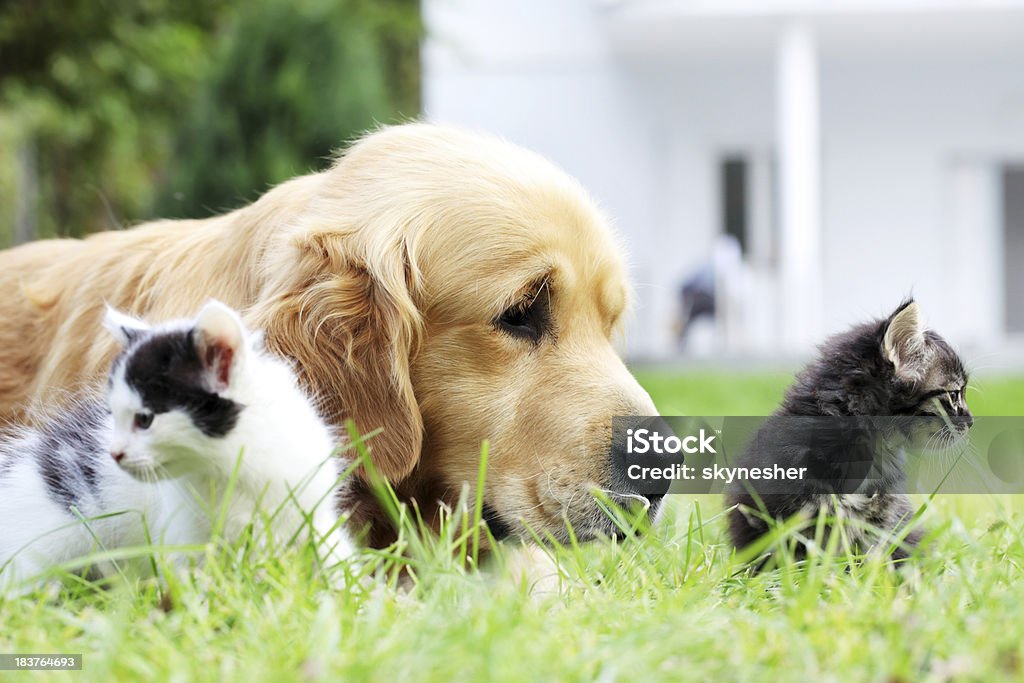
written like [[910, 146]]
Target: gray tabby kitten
[[893, 368]]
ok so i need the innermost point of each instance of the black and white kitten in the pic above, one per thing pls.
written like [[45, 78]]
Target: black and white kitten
[[894, 370], [193, 409]]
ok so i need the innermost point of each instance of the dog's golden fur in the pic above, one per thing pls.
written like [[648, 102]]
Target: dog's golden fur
[[382, 277]]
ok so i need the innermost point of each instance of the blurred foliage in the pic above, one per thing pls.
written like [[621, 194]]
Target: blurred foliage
[[114, 111], [90, 90], [288, 85]]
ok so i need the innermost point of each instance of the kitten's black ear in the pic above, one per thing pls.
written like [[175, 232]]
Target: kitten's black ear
[[903, 344], [124, 327], [220, 341]]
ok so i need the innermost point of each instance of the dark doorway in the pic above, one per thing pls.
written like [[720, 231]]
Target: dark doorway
[[735, 188], [1013, 246]]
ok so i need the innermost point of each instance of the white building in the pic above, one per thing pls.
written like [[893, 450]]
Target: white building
[[868, 148]]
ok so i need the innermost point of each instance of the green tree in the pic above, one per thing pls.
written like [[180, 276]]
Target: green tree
[[291, 82], [115, 111], [89, 90]]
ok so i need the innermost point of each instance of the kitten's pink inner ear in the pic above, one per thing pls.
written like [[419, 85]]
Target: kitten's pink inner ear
[[904, 339], [218, 355], [221, 340]]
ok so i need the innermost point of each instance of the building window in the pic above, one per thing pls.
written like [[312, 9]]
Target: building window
[[735, 198], [1013, 246]]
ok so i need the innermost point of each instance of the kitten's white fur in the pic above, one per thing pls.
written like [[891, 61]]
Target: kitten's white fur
[[173, 476]]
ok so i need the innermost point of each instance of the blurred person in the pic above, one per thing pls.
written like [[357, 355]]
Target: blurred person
[[706, 293]]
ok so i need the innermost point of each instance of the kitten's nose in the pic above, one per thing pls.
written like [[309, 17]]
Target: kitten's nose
[[964, 422], [118, 456]]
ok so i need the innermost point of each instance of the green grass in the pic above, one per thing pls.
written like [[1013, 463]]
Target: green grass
[[671, 605], [725, 393]]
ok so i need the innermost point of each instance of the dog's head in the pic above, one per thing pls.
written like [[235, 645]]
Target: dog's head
[[452, 288]]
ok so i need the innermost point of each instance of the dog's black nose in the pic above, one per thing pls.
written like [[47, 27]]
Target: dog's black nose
[[655, 499], [631, 465]]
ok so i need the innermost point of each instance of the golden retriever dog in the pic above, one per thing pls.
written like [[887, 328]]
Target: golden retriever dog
[[442, 285]]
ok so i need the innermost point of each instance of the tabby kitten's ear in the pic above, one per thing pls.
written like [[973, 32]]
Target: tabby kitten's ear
[[124, 327], [903, 344]]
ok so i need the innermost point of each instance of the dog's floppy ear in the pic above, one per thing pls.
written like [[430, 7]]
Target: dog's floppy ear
[[351, 326]]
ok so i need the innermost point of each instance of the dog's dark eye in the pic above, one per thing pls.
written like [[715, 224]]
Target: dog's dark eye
[[528, 319], [142, 421], [521, 321]]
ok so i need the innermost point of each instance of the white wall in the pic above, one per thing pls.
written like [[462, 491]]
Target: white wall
[[910, 141], [897, 138]]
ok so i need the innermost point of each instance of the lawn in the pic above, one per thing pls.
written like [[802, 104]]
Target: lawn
[[670, 605]]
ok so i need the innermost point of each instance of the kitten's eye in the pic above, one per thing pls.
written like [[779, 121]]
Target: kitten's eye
[[142, 421]]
